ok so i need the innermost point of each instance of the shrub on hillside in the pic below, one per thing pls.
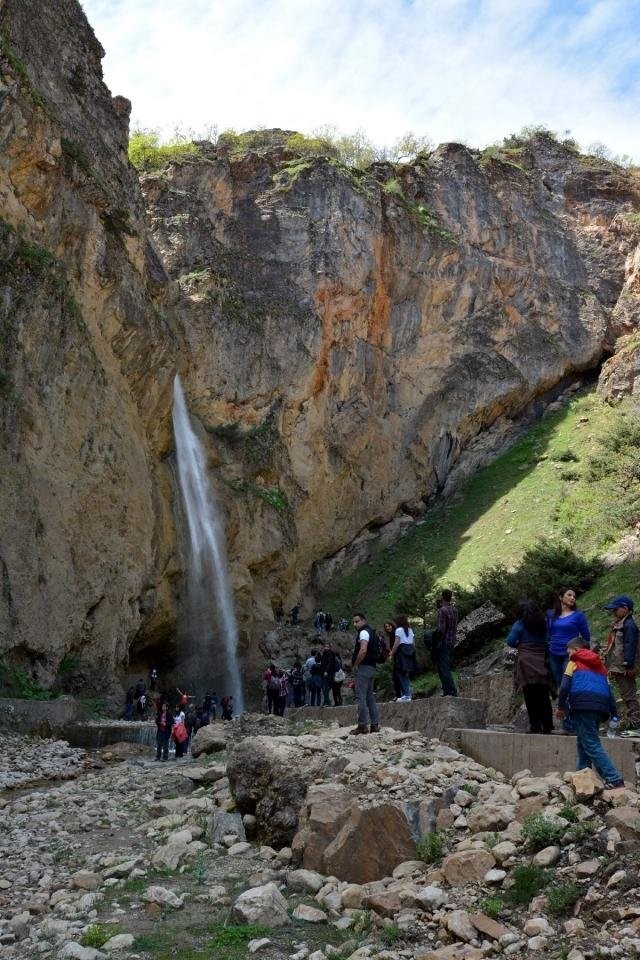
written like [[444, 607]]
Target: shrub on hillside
[[146, 152]]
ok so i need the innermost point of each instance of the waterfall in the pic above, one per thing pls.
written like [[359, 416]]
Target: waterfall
[[212, 632]]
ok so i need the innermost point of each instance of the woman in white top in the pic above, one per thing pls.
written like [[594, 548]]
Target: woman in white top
[[403, 653]]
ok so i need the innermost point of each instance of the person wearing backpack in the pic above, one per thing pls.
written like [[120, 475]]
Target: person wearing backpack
[[364, 660]]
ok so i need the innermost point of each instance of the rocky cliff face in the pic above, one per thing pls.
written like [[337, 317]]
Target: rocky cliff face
[[351, 344]]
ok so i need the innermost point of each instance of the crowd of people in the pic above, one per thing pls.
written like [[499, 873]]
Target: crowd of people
[[176, 724], [555, 658]]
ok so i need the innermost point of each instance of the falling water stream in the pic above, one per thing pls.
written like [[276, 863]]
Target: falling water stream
[[212, 632]]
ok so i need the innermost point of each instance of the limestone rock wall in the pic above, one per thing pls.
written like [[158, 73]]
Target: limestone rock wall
[[351, 344], [85, 523]]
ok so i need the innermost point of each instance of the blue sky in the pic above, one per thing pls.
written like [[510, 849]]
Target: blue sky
[[470, 70]]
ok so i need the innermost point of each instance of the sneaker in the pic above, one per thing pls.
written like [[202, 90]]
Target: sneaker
[[359, 730], [630, 733], [614, 785], [375, 728], [404, 699]]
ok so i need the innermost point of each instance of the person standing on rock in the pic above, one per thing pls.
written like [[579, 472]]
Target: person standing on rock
[[530, 638], [364, 660], [403, 652], [272, 688], [444, 641], [621, 657], [585, 691], [163, 723]]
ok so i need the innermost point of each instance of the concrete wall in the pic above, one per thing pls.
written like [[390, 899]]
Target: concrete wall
[[497, 690], [42, 717], [431, 716], [512, 752]]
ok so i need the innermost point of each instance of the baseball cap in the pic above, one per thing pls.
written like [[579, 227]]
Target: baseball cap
[[620, 601]]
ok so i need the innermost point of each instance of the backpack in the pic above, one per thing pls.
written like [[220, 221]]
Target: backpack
[[274, 684], [378, 649]]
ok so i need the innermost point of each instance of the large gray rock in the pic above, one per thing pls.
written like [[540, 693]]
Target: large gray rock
[[208, 739], [264, 905], [478, 627], [269, 778], [222, 823]]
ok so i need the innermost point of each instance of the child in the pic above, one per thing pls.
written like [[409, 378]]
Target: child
[[585, 691], [621, 657]]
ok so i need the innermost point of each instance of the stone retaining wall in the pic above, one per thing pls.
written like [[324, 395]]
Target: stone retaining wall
[[431, 716]]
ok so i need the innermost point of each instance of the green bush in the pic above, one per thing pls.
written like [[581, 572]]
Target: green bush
[[567, 812], [98, 933], [540, 832], [431, 848], [561, 897], [527, 882], [146, 152], [391, 934], [17, 683], [543, 569], [564, 456], [492, 906]]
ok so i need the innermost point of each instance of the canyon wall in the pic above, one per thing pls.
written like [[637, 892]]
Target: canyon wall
[[351, 343]]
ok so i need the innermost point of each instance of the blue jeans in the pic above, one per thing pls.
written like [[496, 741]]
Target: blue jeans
[[441, 657], [326, 690], [557, 665], [591, 753], [404, 684]]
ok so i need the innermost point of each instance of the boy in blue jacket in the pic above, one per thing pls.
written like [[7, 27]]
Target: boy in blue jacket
[[585, 691]]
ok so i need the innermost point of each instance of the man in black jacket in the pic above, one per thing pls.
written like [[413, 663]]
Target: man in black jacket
[[364, 660]]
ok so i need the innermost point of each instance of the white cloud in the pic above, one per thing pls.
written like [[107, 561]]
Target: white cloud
[[470, 70]]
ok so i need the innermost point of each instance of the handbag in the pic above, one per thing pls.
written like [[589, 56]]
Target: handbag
[[339, 676]]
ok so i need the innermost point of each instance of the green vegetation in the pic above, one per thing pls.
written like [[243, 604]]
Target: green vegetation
[[147, 152], [425, 217], [233, 937], [493, 906], [527, 882], [17, 683], [274, 496], [391, 934], [98, 933], [431, 848], [494, 525], [539, 832], [562, 897], [567, 812]]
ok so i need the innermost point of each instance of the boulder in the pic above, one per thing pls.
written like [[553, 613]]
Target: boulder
[[626, 820], [163, 897], [385, 904], [169, 856], [269, 779], [221, 824], [324, 813], [489, 817], [586, 783], [86, 880], [121, 941], [208, 740], [477, 627], [487, 926], [309, 914], [547, 857], [305, 881], [264, 905], [369, 845], [467, 866], [459, 924]]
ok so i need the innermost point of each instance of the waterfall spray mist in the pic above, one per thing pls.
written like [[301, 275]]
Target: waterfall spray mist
[[212, 637]]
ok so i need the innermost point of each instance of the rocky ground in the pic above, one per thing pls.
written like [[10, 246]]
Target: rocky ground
[[318, 845]]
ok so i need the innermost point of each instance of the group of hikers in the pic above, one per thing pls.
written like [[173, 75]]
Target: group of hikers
[[554, 658]]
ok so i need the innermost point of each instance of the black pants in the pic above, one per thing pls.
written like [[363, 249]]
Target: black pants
[[441, 657], [162, 744], [298, 695], [336, 690], [272, 701], [537, 699], [280, 705]]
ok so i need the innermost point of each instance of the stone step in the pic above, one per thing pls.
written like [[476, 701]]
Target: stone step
[[430, 716], [511, 752]]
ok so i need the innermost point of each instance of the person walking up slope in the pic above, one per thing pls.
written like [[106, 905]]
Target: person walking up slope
[[586, 693], [621, 656]]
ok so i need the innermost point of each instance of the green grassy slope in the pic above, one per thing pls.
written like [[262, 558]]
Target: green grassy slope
[[559, 480]]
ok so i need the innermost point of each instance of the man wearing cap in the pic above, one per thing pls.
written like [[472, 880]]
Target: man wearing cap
[[621, 655]]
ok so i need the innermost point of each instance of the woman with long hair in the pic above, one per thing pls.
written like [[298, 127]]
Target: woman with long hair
[[404, 655], [529, 636], [565, 623]]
